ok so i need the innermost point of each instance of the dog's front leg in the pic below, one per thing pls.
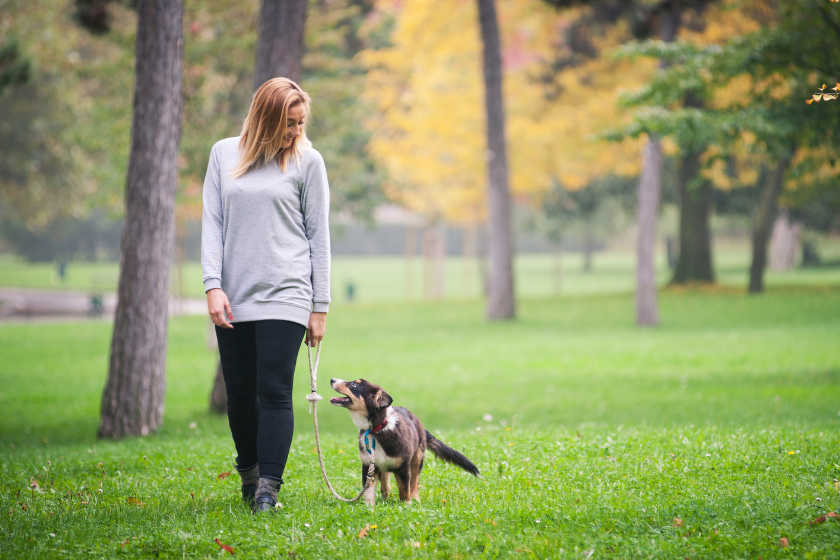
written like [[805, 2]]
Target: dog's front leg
[[385, 484], [403, 476], [370, 491]]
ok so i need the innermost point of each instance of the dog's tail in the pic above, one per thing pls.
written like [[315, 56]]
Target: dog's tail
[[446, 453]]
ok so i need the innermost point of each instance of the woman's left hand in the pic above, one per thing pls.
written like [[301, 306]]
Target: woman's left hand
[[317, 327]]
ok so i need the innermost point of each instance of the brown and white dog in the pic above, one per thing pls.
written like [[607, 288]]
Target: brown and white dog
[[401, 440]]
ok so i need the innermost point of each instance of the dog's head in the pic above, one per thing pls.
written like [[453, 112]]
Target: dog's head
[[360, 396]]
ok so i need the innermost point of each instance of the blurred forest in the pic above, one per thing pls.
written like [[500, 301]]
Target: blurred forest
[[397, 96]]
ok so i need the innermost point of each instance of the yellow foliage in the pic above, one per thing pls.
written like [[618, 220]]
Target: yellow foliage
[[816, 165], [428, 90]]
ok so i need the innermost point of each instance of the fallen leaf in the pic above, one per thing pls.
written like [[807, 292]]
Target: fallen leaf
[[363, 533], [23, 506], [224, 547], [33, 484], [783, 542], [415, 544], [125, 542], [223, 475], [677, 522], [818, 520], [832, 514], [136, 502], [85, 503]]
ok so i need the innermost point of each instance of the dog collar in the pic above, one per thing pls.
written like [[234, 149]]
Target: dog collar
[[380, 426]]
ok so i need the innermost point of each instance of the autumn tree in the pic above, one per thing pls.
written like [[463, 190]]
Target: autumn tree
[[132, 403], [643, 21], [749, 84]]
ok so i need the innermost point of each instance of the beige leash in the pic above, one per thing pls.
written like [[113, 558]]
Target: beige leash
[[313, 399]]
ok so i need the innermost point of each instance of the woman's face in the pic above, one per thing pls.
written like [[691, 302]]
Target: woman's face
[[294, 124]]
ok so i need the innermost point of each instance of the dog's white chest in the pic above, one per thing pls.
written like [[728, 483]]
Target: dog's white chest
[[383, 461]]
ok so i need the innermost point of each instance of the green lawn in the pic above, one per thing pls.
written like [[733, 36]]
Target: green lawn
[[602, 436]]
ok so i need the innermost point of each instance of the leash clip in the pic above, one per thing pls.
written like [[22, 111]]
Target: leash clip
[[367, 443]]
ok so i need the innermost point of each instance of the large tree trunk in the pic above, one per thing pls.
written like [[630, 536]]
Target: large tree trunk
[[500, 301], [132, 403], [280, 43], [218, 397], [695, 260], [785, 243], [650, 188], [764, 220]]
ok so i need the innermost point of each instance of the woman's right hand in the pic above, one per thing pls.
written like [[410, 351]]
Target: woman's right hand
[[219, 307]]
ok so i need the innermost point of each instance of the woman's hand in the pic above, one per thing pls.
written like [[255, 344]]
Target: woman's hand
[[219, 308], [317, 327]]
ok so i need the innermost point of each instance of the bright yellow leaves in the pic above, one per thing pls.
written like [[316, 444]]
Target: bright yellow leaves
[[429, 124], [427, 89], [821, 94]]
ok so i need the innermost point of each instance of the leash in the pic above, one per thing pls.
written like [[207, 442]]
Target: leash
[[313, 399]]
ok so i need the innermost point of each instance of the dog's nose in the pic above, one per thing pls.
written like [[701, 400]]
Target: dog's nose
[[332, 380]]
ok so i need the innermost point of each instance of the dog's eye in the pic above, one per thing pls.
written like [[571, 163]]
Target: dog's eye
[[352, 384]]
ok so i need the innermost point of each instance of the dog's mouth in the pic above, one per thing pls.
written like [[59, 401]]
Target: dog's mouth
[[341, 401]]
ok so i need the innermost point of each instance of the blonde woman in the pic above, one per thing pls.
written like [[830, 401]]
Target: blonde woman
[[265, 258]]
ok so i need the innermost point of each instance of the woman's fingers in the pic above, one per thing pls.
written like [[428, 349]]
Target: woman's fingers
[[219, 307]]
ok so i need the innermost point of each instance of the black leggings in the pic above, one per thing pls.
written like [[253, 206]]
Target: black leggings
[[258, 364]]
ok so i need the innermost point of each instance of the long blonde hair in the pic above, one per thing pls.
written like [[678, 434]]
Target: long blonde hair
[[265, 126]]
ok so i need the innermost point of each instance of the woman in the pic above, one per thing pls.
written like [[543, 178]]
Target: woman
[[265, 258]]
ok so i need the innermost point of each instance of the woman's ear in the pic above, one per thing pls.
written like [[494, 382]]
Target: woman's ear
[[382, 399]]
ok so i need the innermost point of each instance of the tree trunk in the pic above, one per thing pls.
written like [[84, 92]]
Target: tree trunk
[[218, 397], [557, 276], [440, 260], [785, 243], [132, 403], [764, 220], [410, 253], [500, 301], [280, 43], [695, 260], [650, 187], [468, 261], [588, 243]]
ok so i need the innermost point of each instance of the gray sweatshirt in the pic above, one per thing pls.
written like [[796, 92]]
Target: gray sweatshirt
[[265, 237]]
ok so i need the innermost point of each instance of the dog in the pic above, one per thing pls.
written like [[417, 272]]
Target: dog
[[401, 441]]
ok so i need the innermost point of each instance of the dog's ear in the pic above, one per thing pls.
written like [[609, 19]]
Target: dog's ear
[[382, 399]]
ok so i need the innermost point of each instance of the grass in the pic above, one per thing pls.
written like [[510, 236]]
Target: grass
[[713, 436]]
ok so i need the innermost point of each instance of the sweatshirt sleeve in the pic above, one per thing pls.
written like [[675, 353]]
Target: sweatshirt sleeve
[[212, 223], [316, 210]]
